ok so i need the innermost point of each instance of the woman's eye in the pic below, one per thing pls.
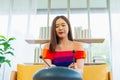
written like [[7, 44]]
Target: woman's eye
[[63, 25], [57, 26]]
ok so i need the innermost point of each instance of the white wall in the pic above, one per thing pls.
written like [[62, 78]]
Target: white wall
[[115, 23]]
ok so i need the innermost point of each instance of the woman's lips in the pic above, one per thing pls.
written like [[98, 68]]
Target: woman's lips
[[60, 32]]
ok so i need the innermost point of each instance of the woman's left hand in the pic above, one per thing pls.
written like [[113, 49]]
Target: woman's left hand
[[73, 65]]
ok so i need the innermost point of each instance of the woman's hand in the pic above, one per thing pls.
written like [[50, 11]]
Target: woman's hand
[[52, 65], [73, 65], [46, 67]]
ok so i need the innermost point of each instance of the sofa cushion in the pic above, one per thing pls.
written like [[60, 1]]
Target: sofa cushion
[[91, 72], [96, 72], [25, 72]]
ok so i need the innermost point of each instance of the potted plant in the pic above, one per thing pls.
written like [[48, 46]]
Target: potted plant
[[5, 49]]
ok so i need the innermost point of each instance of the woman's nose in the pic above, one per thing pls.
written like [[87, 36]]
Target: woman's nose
[[60, 27]]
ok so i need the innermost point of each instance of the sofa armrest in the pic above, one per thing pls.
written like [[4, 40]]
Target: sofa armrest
[[109, 75], [13, 75]]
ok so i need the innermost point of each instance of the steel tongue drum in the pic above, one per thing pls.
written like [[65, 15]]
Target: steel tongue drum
[[57, 73]]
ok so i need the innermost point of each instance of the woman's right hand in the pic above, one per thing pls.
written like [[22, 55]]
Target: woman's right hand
[[52, 65], [46, 67]]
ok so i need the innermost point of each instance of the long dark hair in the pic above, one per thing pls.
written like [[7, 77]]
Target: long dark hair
[[54, 38]]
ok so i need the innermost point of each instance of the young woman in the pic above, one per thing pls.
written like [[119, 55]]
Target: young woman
[[62, 50]]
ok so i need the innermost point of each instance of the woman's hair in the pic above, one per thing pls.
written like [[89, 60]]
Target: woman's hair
[[54, 38]]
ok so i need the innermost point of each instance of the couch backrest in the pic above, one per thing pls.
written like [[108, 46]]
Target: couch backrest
[[96, 72], [25, 72], [91, 72]]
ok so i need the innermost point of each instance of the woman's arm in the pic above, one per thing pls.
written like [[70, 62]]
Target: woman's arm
[[78, 66], [48, 63]]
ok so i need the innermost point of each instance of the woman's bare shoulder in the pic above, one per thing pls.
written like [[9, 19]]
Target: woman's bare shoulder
[[46, 46], [78, 45]]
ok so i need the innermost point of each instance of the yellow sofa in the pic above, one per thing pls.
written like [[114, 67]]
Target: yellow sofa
[[91, 72]]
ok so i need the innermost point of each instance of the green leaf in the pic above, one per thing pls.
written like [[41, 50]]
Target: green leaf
[[2, 59], [6, 46], [3, 37], [2, 40], [1, 53], [11, 48], [10, 39], [1, 50], [5, 49], [9, 52], [8, 62]]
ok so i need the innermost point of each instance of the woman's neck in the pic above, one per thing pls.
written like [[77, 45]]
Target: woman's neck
[[64, 44], [64, 41]]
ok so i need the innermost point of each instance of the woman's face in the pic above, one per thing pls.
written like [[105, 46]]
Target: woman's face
[[61, 28]]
